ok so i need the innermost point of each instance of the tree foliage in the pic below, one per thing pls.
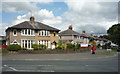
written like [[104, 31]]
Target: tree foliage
[[114, 33], [60, 45]]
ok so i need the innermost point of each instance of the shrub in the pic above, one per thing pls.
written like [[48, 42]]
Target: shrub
[[99, 46], [35, 46], [60, 45], [14, 47], [38, 47], [77, 46], [70, 46], [42, 46], [23, 48]]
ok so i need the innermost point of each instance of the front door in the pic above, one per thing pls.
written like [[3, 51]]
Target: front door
[[53, 46]]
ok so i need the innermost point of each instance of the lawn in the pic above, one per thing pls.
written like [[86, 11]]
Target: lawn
[[107, 52]]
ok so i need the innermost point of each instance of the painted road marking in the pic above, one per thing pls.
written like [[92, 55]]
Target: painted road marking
[[13, 69], [5, 65], [9, 67], [36, 70], [31, 65]]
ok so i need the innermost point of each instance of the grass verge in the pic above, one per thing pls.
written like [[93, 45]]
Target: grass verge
[[107, 52]]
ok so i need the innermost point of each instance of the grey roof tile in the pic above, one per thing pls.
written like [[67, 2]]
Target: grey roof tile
[[69, 32], [35, 25]]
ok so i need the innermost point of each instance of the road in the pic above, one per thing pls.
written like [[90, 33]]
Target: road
[[108, 64]]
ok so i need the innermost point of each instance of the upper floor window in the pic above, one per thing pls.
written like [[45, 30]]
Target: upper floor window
[[54, 33], [79, 37], [14, 32], [44, 33], [27, 32]]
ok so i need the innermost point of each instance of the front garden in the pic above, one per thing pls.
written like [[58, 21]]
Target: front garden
[[42, 49]]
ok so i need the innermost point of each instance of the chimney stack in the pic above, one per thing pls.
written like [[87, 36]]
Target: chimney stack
[[32, 19], [70, 27], [83, 32]]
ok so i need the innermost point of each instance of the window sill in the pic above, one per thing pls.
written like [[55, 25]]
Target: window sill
[[14, 35], [27, 35], [43, 36]]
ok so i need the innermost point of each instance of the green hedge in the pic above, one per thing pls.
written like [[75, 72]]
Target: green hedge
[[14, 47], [38, 47], [70, 46], [60, 46]]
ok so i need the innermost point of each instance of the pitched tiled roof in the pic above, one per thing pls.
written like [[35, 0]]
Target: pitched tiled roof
[[69, 32], [35, 25]]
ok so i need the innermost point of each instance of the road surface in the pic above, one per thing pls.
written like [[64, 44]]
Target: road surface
[[103, 64]]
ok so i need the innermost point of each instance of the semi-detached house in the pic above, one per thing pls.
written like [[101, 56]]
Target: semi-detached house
[[32, 32]]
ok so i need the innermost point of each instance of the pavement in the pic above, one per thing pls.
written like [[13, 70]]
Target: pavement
[[77, 62]]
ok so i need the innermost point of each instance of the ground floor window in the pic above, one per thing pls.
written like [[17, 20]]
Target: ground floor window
[[44, 42], [26, 43]]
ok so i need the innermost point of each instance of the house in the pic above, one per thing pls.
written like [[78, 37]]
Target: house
[[86, 38], [3, 42], [70, 36], [32, 32]]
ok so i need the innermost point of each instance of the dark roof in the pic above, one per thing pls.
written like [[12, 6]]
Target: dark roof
[[69, 32], [35, 25], [85, 35]]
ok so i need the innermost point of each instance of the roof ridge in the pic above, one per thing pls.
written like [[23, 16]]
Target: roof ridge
[[36, 25]]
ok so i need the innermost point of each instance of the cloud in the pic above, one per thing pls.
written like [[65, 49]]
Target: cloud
[[3, 27], [41, 1], [94, 17], [43, 15], [92, 29], [99, 15], [18, 7]]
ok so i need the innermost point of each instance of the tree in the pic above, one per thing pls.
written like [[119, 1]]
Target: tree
[[114, 33], [105, 36]]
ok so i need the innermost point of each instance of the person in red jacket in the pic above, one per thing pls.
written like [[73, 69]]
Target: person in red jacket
[[93, 49]]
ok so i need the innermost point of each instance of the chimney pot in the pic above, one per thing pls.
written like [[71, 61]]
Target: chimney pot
[[32, 19], [70, 27]]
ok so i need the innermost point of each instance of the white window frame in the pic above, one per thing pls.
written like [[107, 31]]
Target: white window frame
[[43, 33], [23, 43], [44, 42], [14, 34], [23, 31], [15, 41]]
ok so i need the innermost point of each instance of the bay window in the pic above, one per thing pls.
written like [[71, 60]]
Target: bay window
[[44, 42], [27, 43], [27, 32], [44, 33]]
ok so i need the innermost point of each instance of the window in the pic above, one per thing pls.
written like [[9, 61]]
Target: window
[[27, 32], [14, 42], [26, 43], [14, 32], [44, 42], [44, 33], [81, 37], [54, 33]]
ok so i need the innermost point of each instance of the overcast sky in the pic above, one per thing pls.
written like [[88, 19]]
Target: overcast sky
[[93, 17]]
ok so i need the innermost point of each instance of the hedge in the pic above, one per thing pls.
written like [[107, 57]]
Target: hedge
[[14, 47]]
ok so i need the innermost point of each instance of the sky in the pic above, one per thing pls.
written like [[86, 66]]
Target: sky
[[92, 16]]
